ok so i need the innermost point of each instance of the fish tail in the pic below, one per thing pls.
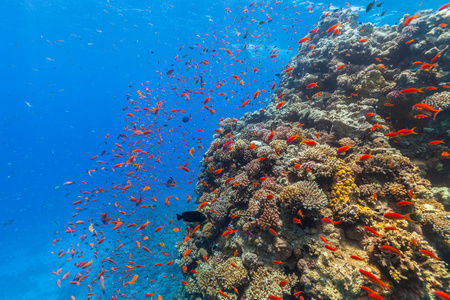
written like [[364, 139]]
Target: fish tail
[[421, 90], [412, 130], [408, 217], [179, 217], [435, 114]]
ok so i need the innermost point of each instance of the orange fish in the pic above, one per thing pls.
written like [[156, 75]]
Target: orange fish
[[312, 85], [440, 294], [372, 230], [427, 109], [395, 216], [426, 66], [356, 257], [436, 142], [332, 28], [365, 156], [273, 232], [305, 39], [411, 91], [374, 279], [279, 105], [406, 131], [330, 248], [343, 149], [310, 143], [391, 250], [408, 20], [375, 126], [340, 67], [292, 138], [271, 135], [428, 253], [223, 294]]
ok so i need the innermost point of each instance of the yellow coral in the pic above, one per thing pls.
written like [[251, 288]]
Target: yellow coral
[[344, 185]]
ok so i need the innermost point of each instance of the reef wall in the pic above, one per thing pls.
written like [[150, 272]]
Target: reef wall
[[330, 190]]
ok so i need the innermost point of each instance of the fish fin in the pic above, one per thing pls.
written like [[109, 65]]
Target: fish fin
[[179, 217], [409, 219], [435, 114]]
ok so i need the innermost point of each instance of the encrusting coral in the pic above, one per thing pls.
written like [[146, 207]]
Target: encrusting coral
[[319, 197]]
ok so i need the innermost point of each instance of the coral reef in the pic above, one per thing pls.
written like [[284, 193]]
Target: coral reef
[[335, 186]]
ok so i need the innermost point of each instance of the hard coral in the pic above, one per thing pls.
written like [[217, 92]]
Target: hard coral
[[306, 193], [265, 281], [344, 185], [229, 276], [439, 100]]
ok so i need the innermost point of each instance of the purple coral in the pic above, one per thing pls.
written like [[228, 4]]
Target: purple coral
[[394, 95], [308, 164], [407, 33], [281, 133]]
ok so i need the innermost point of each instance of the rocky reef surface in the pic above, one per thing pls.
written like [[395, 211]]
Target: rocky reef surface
[[330, 190]]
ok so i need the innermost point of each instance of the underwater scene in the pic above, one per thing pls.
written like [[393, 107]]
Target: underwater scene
[[188, 150]]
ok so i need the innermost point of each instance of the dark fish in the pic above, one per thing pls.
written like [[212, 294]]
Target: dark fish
[[382, 14], [185, 119], [379, 4], [6, 223], [192, 216], [104, 217], [370, 6], [169, 182]]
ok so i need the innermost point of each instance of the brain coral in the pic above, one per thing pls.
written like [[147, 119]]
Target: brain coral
[[307, 193]]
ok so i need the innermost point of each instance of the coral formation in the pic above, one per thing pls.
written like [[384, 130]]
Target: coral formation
[[333, 184]]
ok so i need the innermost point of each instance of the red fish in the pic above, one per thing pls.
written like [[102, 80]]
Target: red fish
[[411, 91], [374, 279], [343, 149], [372, 230], [312, 85], [443, 6], [310, 143], [436, 142], [427, 109], [391, 250], [395, 216], [406, 131], [428, 253], [408, 20], [440, 294], [365, 156], [332, 28]]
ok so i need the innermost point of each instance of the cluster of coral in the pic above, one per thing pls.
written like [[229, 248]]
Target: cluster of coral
[[307, 192]]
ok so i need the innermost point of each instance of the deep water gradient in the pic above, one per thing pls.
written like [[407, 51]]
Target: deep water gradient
[[67, 66]]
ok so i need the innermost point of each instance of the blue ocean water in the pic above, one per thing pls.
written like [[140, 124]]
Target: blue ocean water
[[68, 66]]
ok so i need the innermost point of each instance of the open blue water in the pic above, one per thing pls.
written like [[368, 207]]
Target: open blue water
[[67, 67]]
